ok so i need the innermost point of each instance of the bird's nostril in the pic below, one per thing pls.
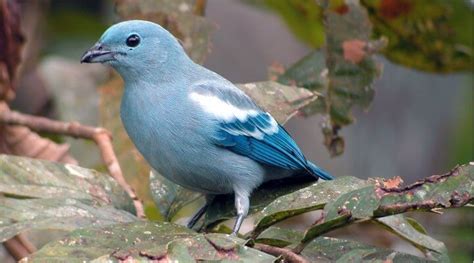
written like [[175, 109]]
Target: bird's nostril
[[100, 48]]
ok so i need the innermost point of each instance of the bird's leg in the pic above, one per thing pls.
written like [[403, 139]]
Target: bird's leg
[[200, 212], [242, 206]]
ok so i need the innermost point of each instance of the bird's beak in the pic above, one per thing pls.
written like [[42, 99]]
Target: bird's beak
[[98, 54]]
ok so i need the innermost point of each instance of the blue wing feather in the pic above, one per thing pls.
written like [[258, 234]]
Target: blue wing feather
[[258, 136], [271, 146]]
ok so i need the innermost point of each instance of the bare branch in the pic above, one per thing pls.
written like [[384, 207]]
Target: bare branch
[[19, 247], [99, 135], [287, 254], [26, 243]]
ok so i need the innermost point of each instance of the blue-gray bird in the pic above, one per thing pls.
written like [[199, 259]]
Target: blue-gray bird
[[192, 125]]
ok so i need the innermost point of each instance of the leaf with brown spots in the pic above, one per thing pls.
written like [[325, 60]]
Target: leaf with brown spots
[[343, 72], [327, 249], [142, 241], [40, 195], [354, 50], [450, 190], [392, 182]]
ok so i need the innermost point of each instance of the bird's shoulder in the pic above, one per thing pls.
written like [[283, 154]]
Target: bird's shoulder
[[244, 128], [234, 111], [221, 99]]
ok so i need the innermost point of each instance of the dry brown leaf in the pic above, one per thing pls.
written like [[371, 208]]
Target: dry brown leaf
[[393, 183], [354, 50]]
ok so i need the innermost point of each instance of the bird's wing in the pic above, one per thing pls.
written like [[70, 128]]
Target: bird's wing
[[245, 129]]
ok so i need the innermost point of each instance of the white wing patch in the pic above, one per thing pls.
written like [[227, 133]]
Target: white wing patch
[[222, 109], [273, 126], [228, 113]]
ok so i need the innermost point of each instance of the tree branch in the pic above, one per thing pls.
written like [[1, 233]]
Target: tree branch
[[287, 254], [19, 247], [16, 249], [99, 135]]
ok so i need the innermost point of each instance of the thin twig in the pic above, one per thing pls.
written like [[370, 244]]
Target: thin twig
[[99, 135], [287, 254]]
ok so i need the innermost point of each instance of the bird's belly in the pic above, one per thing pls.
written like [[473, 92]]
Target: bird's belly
[[203, 167], [183, 157], [180, 150], [200, 169]]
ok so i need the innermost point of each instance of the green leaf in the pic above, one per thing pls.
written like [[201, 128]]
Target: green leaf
[[30, 178], [402, 227], [310, 72], [38, 194], [279, 237], [326, 249], [55, 214], [350, 74], [304, 200], [430, 35], [361, 203], [347, 200], [452, 189], [146, 241], [416, 225]]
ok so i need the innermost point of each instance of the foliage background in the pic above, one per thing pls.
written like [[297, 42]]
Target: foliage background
[[418, 124]]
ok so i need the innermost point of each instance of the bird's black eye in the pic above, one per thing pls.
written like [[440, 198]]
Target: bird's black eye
[[133, 40]]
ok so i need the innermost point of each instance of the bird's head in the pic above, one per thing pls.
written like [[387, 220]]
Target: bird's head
[[134, 47]]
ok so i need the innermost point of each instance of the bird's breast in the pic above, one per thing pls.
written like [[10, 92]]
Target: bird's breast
[[166, 132]]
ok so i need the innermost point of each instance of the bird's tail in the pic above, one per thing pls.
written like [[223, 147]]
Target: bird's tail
[[315, 170]]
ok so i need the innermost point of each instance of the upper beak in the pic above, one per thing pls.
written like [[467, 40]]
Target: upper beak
[[98, 54]]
